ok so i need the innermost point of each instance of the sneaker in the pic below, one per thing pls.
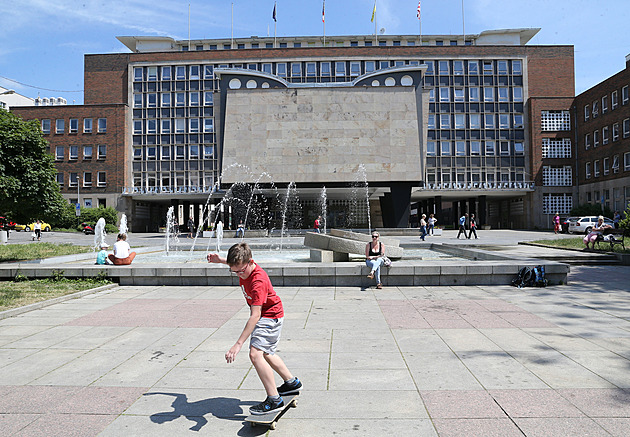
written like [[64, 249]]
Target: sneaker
[[290, 389], [371, 275], [268, 406], [379, 286]]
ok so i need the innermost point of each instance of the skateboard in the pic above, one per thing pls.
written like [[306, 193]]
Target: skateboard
[[270, 419]]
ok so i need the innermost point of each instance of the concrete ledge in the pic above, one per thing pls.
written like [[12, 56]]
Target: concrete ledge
[[345, 245]]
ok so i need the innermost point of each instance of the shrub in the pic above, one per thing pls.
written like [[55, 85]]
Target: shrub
[[589, 209]]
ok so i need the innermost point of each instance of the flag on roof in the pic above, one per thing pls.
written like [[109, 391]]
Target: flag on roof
[[373, 12], [418, 14], [274, 12], [324, 11]]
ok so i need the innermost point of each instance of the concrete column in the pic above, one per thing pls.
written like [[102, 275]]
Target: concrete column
[[483, 211], [395, 205]]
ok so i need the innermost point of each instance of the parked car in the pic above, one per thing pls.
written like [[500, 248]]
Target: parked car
[[6, 224], [28, 228], [583, 225], [564, 224]]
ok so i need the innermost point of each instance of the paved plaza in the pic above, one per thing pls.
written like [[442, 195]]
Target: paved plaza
[[405, 361]]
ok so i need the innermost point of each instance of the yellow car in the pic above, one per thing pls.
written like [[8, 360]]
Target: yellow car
[[28, 228]]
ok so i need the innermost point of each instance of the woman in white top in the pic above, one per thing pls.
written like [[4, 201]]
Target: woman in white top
[[122, 252], [37, 228]]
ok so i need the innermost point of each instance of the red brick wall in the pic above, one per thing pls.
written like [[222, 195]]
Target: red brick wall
[[115, 164]]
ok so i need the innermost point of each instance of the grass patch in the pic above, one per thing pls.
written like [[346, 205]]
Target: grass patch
[[578, 243], [24, 252], [24, 292]]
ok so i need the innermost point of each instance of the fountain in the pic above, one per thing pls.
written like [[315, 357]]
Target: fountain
[[323, 200], [123, 229], [171, 230], [219, 235], [99, 234]]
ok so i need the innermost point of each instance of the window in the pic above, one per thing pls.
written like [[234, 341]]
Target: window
[[615, 164], [487, 67], [557, 203], [504, 121], [458, 68], [444, 94], [281, 69], [518, 120], [626, 161], [102, 125], [587, 141], [152, 100], [606, 166], [473, 94], [596, 138], [325, 68], [101, 151], [74, 153], [432, 95], [194, 98], [180, 125], [87, 179], [503, 94], [59, 153], [355, 69], [431, 148], [137, 74], [60, 179], [443, 68], [152, 74], [604, 104], [208, 151], [488, 120], [458, 94], [74, 180], [557, 176], [587, 112], [180, 72], [166, 152], [475, 148], [60, 126], [460, 121], [87, 152], [137, 127], [193, 125], [431, 121], [296, 69], [137, 152], [555, 120], [504, 147], [370, 66], [615, 132], [517, 93], [46, 126], [473, 67], [340, 69], [605, 135], [137, 100], [74, 125], [517, 67], [180, 99], [624, 95], [445, 121], [311, 69], [502, 67], [626, 128], [152, 126], [596, 168], [87, 125], [614, 100], [595, 111], [475, 121], [460, 148], [488, 94], [179, 152], [151, 153], [208, 125], [588, 170], [194, 72], [556, 148], [519, 148], [490, 148], [445, 148]]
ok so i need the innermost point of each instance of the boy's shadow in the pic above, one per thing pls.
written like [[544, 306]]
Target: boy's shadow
[[224, 408]]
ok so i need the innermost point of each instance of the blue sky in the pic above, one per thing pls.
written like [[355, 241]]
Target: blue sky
[[42, 42]]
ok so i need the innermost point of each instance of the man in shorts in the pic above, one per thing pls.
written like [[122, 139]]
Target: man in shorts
[[263, 327]]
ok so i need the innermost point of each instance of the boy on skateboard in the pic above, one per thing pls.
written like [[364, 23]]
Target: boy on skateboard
[[263, 327]]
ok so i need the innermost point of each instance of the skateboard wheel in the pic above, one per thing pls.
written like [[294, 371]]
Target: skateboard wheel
[[293, 404], [272, 426]]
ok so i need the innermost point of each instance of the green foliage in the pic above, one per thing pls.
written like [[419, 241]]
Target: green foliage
[[589, 209], [625, 222], [91, 215], [57, 275], [28, 186], [111, 229], [23, 252], [19, 277]]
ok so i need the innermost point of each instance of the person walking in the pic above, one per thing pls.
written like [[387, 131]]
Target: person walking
[[462, 225], [317, 224], [556, 223], [191, 227], [37, 228], [423, 226], [473, 227], [431, 224]]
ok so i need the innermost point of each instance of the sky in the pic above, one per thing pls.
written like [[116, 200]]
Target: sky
[[42, 42]]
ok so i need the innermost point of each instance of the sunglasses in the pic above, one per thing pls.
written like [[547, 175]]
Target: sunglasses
[[239, 272], [374, 236]]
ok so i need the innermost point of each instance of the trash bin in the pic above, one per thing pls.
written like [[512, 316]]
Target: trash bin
[[4, 237]]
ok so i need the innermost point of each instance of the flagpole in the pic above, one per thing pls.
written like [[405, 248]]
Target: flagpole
[[463, 26], [324, 20], [189, 48], [232, 26], [275, 25], [375, 23]]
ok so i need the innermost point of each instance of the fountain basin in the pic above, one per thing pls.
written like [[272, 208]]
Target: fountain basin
[[349, 243]]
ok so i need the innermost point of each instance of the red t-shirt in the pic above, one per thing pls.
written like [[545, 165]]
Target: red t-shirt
[[258, 290]]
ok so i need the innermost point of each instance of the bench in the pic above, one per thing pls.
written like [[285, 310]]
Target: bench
[[611, 237]]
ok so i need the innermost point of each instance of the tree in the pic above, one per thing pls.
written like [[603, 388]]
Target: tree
[[28, 186]]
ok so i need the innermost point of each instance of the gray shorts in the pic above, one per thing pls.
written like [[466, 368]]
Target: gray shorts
[[266, 335]]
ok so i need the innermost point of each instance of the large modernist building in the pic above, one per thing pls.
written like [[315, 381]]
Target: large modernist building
[[438, 124]]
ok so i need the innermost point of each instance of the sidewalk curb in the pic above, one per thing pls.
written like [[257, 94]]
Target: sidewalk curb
[[37, 305]]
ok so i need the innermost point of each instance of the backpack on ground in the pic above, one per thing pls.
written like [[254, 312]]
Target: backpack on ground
[[539, 277], [524, 278]]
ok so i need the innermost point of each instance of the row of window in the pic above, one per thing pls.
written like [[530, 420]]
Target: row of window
[[605, 166], [490, 121], [168, 99], [297, 44], [330, 68], [190, 151], [617, 197], [592, 109], [489, 176], [88, 152], [466, 148], [174, 180], [73, 179], [605, 134], [73, 126], [476, 94], [177, 125]]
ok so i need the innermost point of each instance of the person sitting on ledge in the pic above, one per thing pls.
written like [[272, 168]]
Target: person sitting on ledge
[[122, 252], [374, 252], [596, 231]]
